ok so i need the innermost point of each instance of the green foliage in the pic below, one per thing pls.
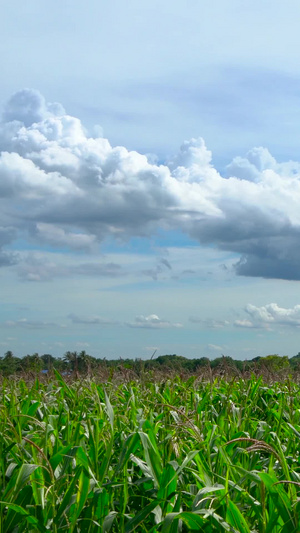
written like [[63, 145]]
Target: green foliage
[[84, 364], [169, 456], [274, 363]]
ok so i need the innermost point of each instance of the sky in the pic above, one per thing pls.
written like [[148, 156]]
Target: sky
[[150, 177]]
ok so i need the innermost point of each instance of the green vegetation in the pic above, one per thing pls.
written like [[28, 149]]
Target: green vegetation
[[84, 364], [164, 456]]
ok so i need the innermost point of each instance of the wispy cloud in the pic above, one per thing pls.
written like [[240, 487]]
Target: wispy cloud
[[209, 323], [36, 266], [30, 324], [215, 347], [92, 320]]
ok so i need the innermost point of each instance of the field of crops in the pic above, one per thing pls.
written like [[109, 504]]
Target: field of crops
[[144, 456]]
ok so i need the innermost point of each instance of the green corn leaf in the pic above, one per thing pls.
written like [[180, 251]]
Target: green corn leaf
[[134, 522], [167, 484], [152, 458], [24, 475], [110, 411], [192, 520], [280, 499], [236, 519], [203, 492], [24, 497], [63, 384], [20, 511], [66, 501], [129, 447], [82, 494], [108, 521]]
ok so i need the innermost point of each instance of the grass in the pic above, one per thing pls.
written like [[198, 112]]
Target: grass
[[149, 456]]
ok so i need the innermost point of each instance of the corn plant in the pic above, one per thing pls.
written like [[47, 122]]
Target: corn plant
[[147, 456]]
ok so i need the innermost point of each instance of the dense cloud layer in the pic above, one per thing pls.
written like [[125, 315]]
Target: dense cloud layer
[[60, 187]]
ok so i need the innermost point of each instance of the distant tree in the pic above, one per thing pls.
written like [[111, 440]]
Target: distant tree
[[71, 358], [59, 364], [173, 361], [9, 364], [48, 361], [32, 363], [85, 362], [295, 361], [195, 364], [274, 362]]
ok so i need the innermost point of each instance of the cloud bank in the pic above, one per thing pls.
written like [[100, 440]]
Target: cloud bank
[[60, 187]]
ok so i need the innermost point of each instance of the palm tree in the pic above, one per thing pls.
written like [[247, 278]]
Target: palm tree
[[72, 359]]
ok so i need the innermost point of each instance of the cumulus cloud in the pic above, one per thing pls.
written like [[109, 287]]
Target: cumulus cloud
[[28, 107], [63, 188], [270, 315], [152, 322]]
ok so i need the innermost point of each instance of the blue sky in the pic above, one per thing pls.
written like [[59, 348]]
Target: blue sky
[[150, 177]]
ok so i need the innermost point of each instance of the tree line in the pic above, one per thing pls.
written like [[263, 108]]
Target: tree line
[[81, 363]]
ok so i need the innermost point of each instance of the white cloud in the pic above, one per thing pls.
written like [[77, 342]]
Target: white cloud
[[22, 179], [269, 316], [64, 188], [243, 323], [152, 322]]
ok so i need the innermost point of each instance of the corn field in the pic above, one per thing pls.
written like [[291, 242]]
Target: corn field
[[169, 456]]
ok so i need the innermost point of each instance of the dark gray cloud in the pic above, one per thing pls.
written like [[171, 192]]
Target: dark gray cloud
[[63, 189], [273, 256]]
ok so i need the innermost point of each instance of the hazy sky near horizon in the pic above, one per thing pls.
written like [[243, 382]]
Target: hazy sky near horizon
[[150, 177]]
